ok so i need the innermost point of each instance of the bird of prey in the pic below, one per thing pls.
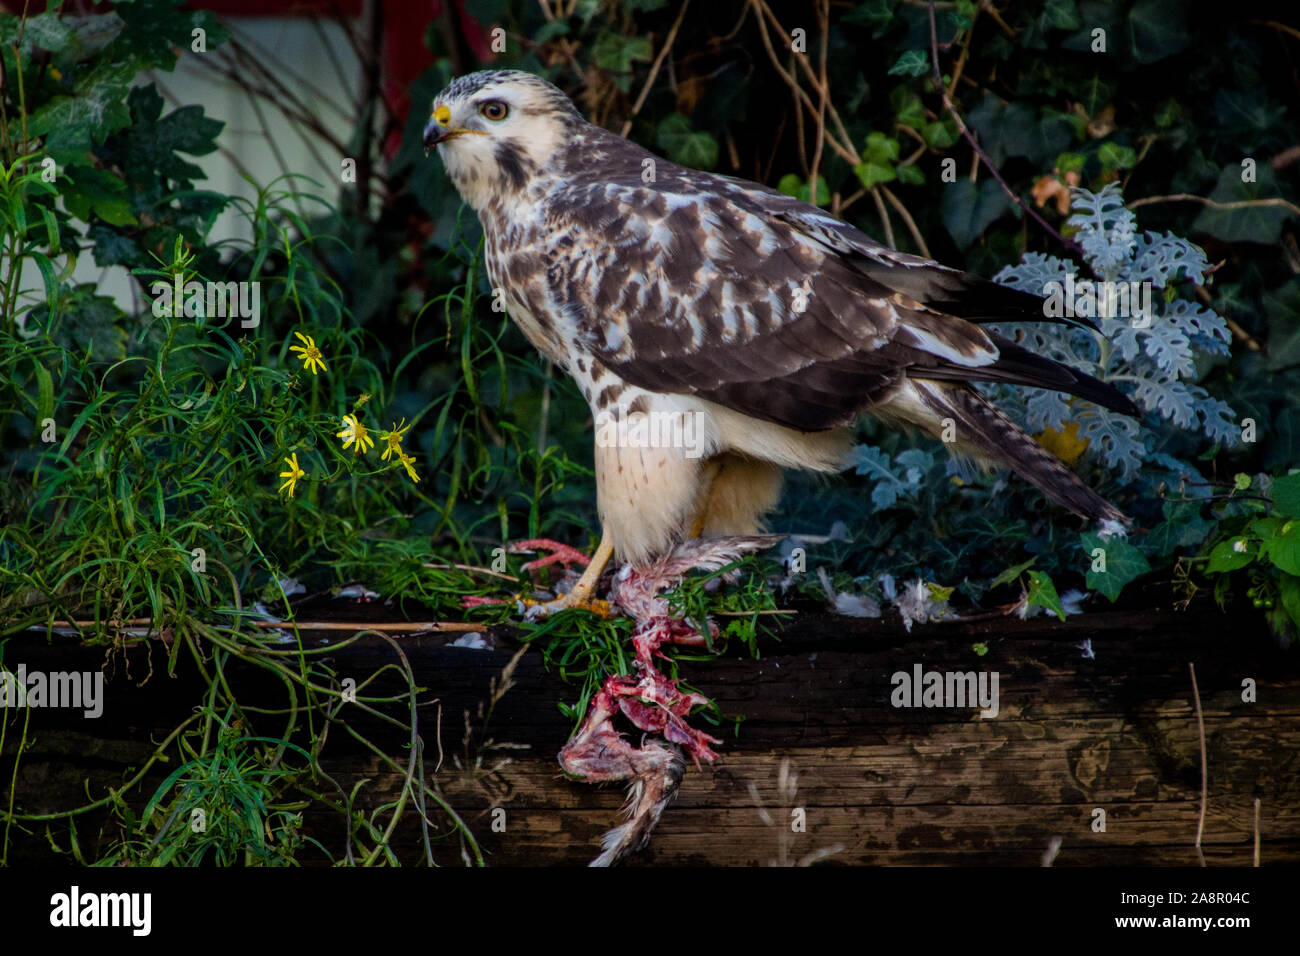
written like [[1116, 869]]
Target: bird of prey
[[722, 331]]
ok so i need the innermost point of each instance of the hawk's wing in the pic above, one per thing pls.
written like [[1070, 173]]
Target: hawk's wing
[[769, 306]]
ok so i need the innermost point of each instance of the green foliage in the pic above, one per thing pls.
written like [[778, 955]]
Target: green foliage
[[145, 446], [685, 145], [171, 431], [969, 209], [793, 185], [742, 604], [1042, 593], [222, 808], [1261, 544], [1112, 563], [879, 157], [1251, 223]]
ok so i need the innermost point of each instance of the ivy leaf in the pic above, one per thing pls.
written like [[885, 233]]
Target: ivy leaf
[[879, 156], [1284, 549], [869, 174], [155, 28], [910, 175], [1285, 493], [969, 209], [1289, 594], [1016, 129], [940, 134], [1284, 446], [686, 145], [908, 108], [1056, 14], [1113, 156], [111, 248], [1252, 224], [1096, 93], [797, 187], [1157, 29], [1124, 563], [911, 63], [70, 124], [1282, 306], [616, 53], [149, 154], [46, 31], [88, 191], [880, 148], [1011, 573], [90, 325], [876, 14], [1183, 527], [1042, 593]]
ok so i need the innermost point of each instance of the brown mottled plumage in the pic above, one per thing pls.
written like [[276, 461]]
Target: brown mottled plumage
[[755, 326], [763, 322]]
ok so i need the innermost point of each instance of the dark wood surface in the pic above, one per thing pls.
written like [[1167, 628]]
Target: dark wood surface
[[1115, 732]]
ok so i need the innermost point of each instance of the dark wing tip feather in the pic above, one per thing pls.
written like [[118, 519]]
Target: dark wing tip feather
[[1077, 383], [1017, 365]]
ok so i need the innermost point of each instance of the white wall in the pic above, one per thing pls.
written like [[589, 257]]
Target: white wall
[[314, 61]]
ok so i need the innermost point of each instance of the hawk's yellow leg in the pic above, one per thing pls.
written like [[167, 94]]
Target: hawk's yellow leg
[[711, 471], [583, 594]]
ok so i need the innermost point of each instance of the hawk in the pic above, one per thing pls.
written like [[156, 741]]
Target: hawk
[[722, 331]]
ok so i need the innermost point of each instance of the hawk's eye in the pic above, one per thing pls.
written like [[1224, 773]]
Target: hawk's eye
[[494, 110]]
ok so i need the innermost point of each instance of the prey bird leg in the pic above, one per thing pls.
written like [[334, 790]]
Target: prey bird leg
[[652, 701]]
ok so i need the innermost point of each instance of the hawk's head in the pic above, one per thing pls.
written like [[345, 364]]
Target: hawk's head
[[495, 129]]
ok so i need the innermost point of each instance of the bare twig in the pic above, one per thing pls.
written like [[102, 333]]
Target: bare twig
[[841, 142], [1256, 831], [850, 201], [987, 5], [1205, 787], [1274, 202], [907, 221], [884, 216], [654, 67], [979, 151], [475, 568], [1285, 158], [1280, 27], [383, 627], [823, 96], [806, 65]]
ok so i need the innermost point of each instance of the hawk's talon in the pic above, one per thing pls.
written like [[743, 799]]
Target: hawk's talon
[[533, 609]]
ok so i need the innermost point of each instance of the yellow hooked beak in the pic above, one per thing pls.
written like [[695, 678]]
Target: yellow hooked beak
[[438, 129]]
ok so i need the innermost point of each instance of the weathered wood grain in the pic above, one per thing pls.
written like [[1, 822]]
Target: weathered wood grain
[[1116, 732]]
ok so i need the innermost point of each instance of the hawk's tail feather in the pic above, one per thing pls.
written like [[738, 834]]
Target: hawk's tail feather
[[1017, 365], [992, 435]]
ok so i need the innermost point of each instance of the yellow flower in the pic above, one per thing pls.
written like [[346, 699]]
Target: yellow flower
[[310, 356], [354, 431], [293, 474], [393, 440], [407, 461]]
